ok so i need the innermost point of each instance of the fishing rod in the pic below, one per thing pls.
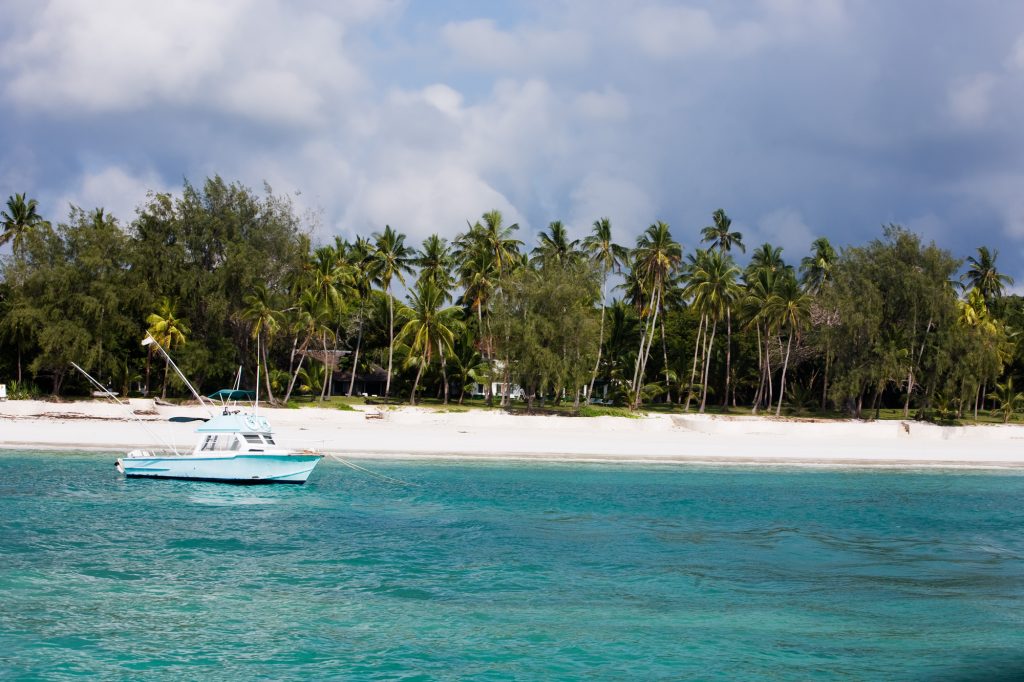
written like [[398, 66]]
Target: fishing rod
[[150, 340]]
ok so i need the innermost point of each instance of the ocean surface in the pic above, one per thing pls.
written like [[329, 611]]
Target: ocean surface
[[501, 571]]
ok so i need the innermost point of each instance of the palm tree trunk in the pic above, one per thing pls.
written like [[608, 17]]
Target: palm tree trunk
[[295, 375], [355, 361], [328, 374], [266, 374], [647, 350], [782, 383], [693, 370], [768, 369], [415, 384], [391, 339], [600, 339], [163, 389], [707, 366], [149, 359], [664, 352], [760, 371], [824, 386], [444, 370], [728, 355]]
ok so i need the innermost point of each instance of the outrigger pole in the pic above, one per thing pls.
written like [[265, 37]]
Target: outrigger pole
[[150, 340], [107, 393]]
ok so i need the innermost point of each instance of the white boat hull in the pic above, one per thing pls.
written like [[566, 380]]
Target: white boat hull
[[235, 467]]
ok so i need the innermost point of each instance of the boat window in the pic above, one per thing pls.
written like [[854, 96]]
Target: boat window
[[252, 438], [210, 443], [269, 439]]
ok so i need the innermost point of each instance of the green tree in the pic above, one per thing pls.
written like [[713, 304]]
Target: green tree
[[789, 308], [1008, 400], [816, 269], [20, 218], [657, 257], [391, 259], [428, 327], [983, 275], [608, 257], [169, 330], [262, 314]]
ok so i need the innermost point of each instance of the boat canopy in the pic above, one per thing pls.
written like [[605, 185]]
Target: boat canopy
[[232, 394]]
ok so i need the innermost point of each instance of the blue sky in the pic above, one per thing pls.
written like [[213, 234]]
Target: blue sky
[[800, 118]]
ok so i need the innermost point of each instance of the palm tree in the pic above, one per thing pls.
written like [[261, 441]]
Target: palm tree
[[713, 288], [261, 313], [790, 309], [719, 235], [169, 330], [435, 262], [554, 246], [768, 257], [721, 238], [983, 275], [816, 269], [761, 284], [493, 236], [428, 327], [357, 255], [656, 258], [390, 259], [20, 218], [608, 256], [1007, 399], [311, 319], [469, 364]]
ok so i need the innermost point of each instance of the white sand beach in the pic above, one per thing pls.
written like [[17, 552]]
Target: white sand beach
[[408, 432]]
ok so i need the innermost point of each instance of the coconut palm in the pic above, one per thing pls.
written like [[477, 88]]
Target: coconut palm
[[428, 327], [357, 256], [491, 235], [469, 364], [554, 246], [311, 319], [20, 218], [816, 269], [265, 320], [713, 288], [790, 309], [760, 286], [435, 262], [769, 257], [391, 259], [656, 258], [169, 330], [982, 275], [719, 237], [608, 256]]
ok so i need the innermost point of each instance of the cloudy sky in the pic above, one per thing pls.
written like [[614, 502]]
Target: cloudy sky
[[799, 117]]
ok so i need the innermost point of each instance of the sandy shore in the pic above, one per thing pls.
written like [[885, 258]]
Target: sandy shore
[[424, 432]]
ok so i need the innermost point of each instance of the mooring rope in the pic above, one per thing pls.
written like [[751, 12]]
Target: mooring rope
[[355, 466]]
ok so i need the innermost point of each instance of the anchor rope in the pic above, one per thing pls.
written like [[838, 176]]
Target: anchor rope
[[383, 477]]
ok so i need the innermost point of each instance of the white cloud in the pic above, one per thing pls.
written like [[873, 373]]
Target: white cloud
[[1004, 194], [625, 203], [479, 43], [970, 99], [261, 59], [671, 31], [116, 190], [608, 104]]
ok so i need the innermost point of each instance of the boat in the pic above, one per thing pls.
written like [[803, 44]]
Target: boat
[[233, 447]]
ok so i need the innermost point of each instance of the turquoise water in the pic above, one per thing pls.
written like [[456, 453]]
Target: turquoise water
[[508, 571]]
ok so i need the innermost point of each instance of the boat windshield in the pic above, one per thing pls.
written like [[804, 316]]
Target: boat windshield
[[220, 442]]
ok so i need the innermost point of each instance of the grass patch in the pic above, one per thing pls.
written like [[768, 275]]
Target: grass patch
[[604, 411]]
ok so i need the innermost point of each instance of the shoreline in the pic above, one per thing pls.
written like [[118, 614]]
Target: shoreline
[[416, 433]]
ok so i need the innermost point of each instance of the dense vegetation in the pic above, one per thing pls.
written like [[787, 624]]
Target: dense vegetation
[[225, 277]]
